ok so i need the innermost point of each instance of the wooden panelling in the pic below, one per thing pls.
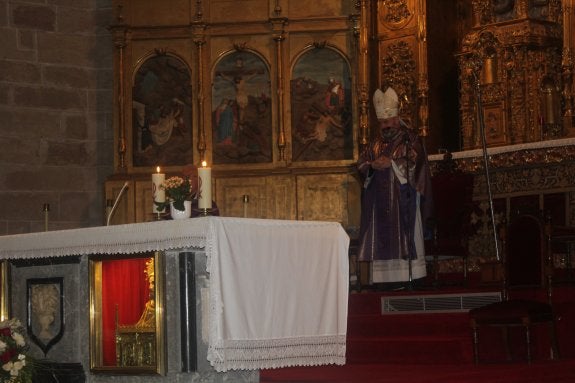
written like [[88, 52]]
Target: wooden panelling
[[144, 201], [322, 198], [230, 194], [281, 203]]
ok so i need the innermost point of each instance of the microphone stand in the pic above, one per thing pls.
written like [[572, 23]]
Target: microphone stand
[[486, 161], [409, 226], [109, 217]]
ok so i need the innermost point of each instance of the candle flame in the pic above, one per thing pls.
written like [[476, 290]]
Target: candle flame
[[204, 164], [157, 169]]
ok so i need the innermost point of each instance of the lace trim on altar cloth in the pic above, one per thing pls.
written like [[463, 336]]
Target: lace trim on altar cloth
[[277, 353], [117, 239], [264, 351]]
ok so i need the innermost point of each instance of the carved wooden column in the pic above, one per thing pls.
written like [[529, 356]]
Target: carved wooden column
[[422, 84], [361, 33], [478, 11], [119, 32], [399, 54], [199, 40], [522, 9], [567, 67], [278, 24]]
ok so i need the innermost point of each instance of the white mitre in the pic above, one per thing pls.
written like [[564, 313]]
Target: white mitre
[[386, 104]]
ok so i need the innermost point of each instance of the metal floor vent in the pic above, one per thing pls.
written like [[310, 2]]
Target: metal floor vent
[[438, 303]]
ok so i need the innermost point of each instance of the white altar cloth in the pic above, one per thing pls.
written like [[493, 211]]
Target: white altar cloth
[[116, 239], [278, 293], [278, 289]]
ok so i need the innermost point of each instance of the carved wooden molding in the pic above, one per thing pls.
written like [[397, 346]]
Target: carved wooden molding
[[399, 66], [396, 13]]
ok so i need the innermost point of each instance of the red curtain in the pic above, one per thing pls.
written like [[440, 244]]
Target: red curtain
[[125, 286]]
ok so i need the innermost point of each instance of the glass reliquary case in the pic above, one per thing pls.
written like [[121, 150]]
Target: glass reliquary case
[[127, 331]]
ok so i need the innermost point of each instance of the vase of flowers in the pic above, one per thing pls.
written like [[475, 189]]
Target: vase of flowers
[[179, 193], [181, 214], [16, 366]]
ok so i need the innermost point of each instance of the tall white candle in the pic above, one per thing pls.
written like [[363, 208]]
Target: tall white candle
[[204, 186], [158, 193]]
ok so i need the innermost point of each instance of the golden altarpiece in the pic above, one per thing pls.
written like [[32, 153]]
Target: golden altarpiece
[[263, 91], [276, 96]]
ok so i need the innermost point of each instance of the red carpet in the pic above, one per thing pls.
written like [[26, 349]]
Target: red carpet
[[437, 347], [562, 371]]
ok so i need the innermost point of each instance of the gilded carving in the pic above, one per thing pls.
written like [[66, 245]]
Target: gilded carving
[[240, 46], [422, 95], [493, 93], [544, 156], [395, 13], [519, 66], [135, 343], [363, 73], [488, 11], [524, 172], [319, 44], [399, 71], [482, 243], [199, 12]]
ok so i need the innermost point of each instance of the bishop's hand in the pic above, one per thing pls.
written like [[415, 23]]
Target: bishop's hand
[[381, 163]]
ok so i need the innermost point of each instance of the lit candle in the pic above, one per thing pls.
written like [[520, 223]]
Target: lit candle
[[246, 201], [204, 186], [158, 193], [46, 209]]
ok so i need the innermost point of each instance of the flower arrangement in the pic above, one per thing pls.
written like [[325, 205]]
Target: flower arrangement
[[16, 366], [178, 190]]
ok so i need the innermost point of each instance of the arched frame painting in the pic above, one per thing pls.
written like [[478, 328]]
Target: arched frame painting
[[162, 112], [322, 121], [241, 109]]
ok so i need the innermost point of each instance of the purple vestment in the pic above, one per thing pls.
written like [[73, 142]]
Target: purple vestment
[[388, 208]]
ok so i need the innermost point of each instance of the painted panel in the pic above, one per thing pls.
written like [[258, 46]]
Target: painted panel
[[322, 123]]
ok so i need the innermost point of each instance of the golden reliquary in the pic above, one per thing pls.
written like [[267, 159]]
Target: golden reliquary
[[136, 343]]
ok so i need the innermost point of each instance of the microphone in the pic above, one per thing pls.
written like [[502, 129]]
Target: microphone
[[111, 213]]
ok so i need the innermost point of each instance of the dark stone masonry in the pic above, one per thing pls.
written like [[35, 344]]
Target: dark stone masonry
[[56, 129]]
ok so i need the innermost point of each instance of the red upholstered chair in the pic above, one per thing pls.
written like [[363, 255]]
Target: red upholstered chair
[[527, 262], [451, 218]]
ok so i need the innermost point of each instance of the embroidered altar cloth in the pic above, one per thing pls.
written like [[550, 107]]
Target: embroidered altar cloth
[[278, 293], [278, 289]]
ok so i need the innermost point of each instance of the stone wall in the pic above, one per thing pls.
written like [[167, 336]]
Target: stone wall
[[56, 135]]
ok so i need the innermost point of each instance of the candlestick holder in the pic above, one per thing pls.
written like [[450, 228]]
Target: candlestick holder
[[246, 199], [46, 210], [204, 212], [159, 215]]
